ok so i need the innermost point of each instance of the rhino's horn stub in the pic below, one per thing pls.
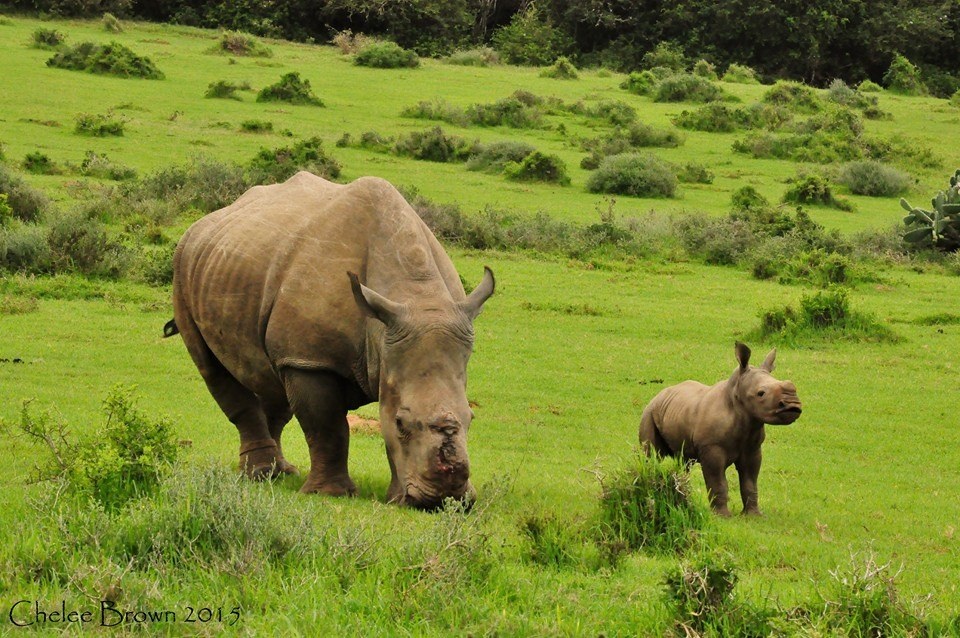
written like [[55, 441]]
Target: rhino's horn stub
[[743, 354]]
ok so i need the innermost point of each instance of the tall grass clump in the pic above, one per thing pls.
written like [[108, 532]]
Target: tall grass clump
[[519, 110], [112, 58], [740, 74], [825, 314], [111, 23], [538, 167], [562, 69], [26, 202], [386, 55], [492, 158], [633, 174], [482, 57], [223, 89], [279, 164], [349, 42], [686, 87], [649, 505], [814, 189], [241, 44], [40, 164], [640, 83], [292, 89], [795, 96], [873, 179], [44, 38], [99, 125], [433, 145]]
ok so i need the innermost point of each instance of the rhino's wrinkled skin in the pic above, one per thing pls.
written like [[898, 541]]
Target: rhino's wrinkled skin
[[722, 424], [311, 298]]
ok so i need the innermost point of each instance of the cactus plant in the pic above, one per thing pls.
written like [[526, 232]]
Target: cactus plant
[[939, 227]]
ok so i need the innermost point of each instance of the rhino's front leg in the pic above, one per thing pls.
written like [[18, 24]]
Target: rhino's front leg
[[748, 469], [713, 462], [318, 403]]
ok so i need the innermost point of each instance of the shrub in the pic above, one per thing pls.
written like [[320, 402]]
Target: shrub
[[102, 125], [106, 59], [290, 89], [705, 70], [16, 305], [280, 164], [739, 74], [26, 202], [40, 164], [482, 56], [256, 126], [873, 179], [96, 165], [438, 109], [386, 55], [155, 265], [44, 38], [720, 118], [433, 145], [202, 184], [903, 77], [562, 69], [826, 313], [869, 86], [520, 110], [77, 243], [642, 83], [649, 505], [794, 96], [720, 241], [225, 90], [692, 173], [111, 23], [842, 94], [530, 39], [349, 42], [538, 167], [634, 174], [6, 212], [748, 198], [241, 44], [492, 158], [666, 55], [686, 87], [616, 112], [814, 189], [24, 248]]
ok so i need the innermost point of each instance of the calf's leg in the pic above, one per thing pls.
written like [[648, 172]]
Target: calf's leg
[[713, 462], [749, 470]]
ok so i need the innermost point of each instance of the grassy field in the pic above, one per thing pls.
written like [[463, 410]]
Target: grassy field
[[566, 357]]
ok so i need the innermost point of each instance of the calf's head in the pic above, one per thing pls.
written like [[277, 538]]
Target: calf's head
[[762, 396], [424, 413]]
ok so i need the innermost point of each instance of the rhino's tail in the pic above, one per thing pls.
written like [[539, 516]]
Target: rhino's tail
[[170, 328]]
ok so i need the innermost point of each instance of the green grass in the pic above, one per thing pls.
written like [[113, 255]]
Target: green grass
[[567, 355]]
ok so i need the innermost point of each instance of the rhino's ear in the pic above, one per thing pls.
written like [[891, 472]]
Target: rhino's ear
[[474, 302], [743, 355], [373, 303], [768, 362]]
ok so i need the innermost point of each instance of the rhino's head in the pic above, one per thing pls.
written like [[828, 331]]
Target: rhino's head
[[424, 413], [762, 396]]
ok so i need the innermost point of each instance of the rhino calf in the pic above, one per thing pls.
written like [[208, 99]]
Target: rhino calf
[[722, 424]]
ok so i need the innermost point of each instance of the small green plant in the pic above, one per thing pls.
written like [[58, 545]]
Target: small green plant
[[433, 145], [292, 89], [869, 86], [649, 505], [111, 23], [97, 165], [44, 38], [562, 69], [938, 227], [101, 125], [241, 44], [492, 158], [706, 70], [225, 90], [633, 174], [27, 203], [282, 163], [256, 126], [18, 305], [106, 59], [349, 42], [823, 314], [40, 164], [814, 189], [795, 96], [386, 55], [873, 179], [550, 541], [530, 38], [693, 173], [686, 87], [903, 77], [482, 56], [538, 167], [740, 74], [640, 83]]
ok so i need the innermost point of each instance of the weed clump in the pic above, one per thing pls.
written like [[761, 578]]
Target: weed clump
[[26, 203], [99, 125], [649, 505], [824, 314], [904, 78], [740, 74], [538, 167], [223, 89], [686, 87], [44, 38], [814, 189], [386, 55], [633, 174], [241, 44], [873, 179], [256, 126], [562, 69], [106, 59], [640, 83], [292, 89], [101, 166], [433, 145], [482, 57], [492, 158], [40, 164], [280, 164]]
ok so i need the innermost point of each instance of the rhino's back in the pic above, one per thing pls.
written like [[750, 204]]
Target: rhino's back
[[683, 412], [265, 279]]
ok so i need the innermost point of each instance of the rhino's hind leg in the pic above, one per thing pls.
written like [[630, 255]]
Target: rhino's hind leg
[[651, 440], [317, 400], [278, 414]]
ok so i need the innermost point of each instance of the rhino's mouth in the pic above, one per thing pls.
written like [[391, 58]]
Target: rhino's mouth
[[429, 501], [788, 414]]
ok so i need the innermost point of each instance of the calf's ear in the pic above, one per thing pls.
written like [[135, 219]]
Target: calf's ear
[[743, 355], [768, 362]]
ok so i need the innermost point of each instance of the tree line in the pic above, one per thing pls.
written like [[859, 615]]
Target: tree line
[[814, 41]]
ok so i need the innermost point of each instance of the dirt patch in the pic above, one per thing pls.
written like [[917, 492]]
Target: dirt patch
[[362, 426]]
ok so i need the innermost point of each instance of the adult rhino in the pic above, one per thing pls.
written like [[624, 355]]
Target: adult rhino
[[722, 424], [311, 298]]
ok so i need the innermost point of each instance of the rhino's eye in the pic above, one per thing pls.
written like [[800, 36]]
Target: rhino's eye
[[401, 429], [761, 393]]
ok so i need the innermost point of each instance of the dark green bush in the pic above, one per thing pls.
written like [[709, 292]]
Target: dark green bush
[[634, 174], [44, 38], [824, 314], [692, 173], [686, 87], [562, 69], [292, 89], [538, 167], [739, 74], [225, 90], [873, 179], [101, 125], [386, 55], [26, 202], [40, 164], [530, 38], [155, 265], [256, 126], [241, 44], [492, 158], [106, 59], [616, 112], [279, 164], [815, 189], [433, 145], [78, 244], [520, 110], [640, 83], [720, 241], [904, 78]]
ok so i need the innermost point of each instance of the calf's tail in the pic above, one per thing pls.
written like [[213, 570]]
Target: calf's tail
[[170, 328]]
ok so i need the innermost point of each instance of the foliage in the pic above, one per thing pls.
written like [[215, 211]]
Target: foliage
[[480, 56], [720, 118], [624, 140], [649, 505], [666, 55], [686, 87], [291, 88], [519, 110], [44, 38], [562, 69], [256, 126], [101, 166], [26, 202], [106, 59], [873, 179], [903, 77], [705, 70], [111, 23], [634, 174], [640, 83], [940, 226], [225, 90], [99, 125], [281, 163], [433, 145], [349, 42], [492, 158], [40, 164], [538, 167], [869, 86], [824, 314], [24, 248], [814, 189], [794, 96], [740, 74], [241, 44], [530, 39], [692, 173], [386, 55]]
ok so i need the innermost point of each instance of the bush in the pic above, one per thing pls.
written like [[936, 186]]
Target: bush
[[111, 23], [77, 243], [241, 44], [96, 165], [649, 505], [483, 56], [739, 74], [290, 89], [685, 87], [103, 125], [615, 112], [705, 70], [256, 126], [903, 77], [40, 164], [155, 265], [202, 184], [747, 198], [719, 241], [794, 96], [26, 202], [225, 90], [562, 69], [873, 179], [106, 59], [826, 313], [634, 174], [24, 248], [642, 83], [814, 189], [433, 145], [520, 110], [44, 38], [666, 55], [280, 164], [438, 109], [492, 158], [530, 39], [720, 118], [349, 42], [869, 86], [692, 173], [538, 167], [386, 55]]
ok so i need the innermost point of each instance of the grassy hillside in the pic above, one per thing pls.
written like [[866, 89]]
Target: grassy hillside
[[567, 354]]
